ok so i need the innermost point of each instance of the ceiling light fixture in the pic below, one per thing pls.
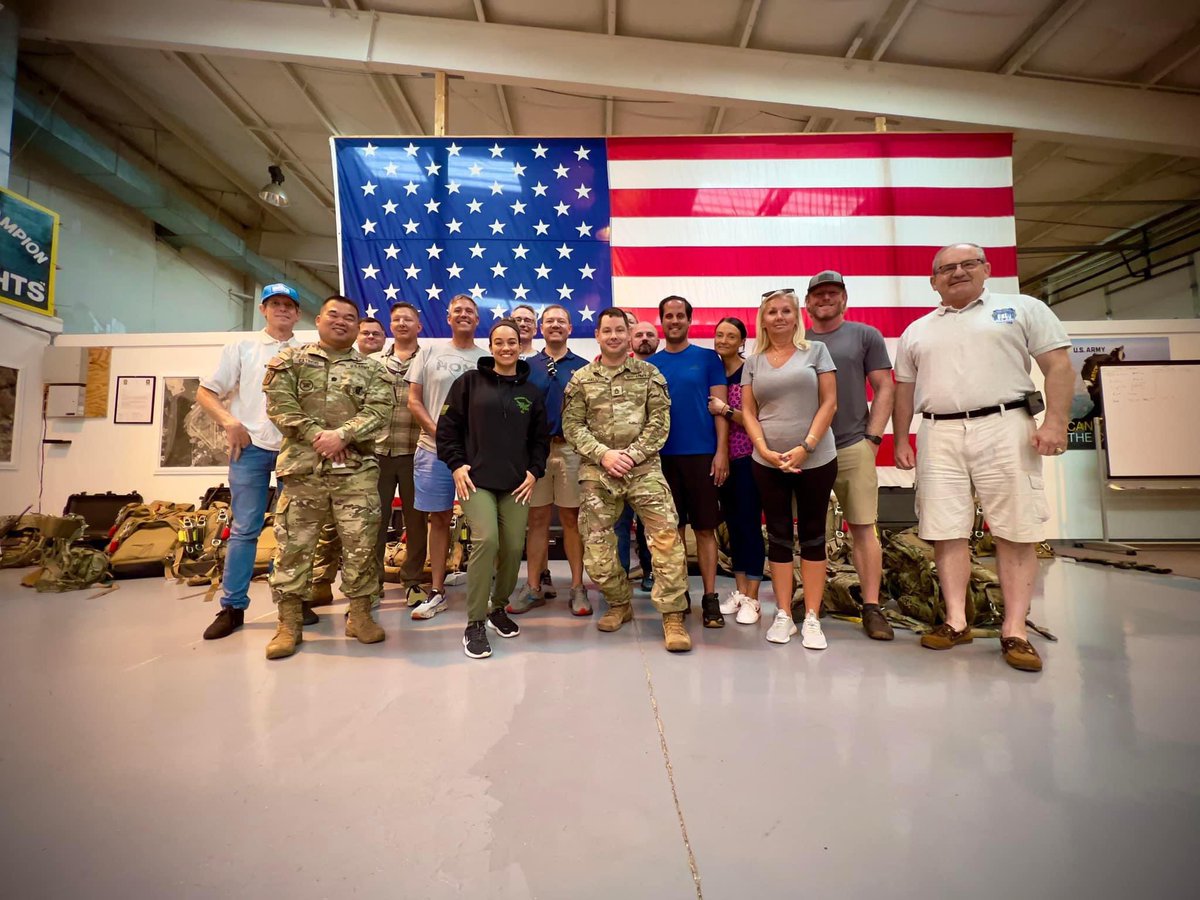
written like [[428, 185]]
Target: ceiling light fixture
[[274, 193]]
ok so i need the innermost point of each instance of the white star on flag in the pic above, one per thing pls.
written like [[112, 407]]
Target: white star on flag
[[498, 270], [586, 314], [368, 227], [518, 170], [518, 207], [411, 149], [520, 251], [562, 209], [434, 293], [433, 206], [539, 152], [410, 227], [564, 293], [587, 271], [582, 153], [497, 227], [412, 271], [392, 251], [433, 169], [583, 192], [496, 150], [476, 291], [454, 149], [369, 188], [370, 271], [564, 252], [454, 270], [434, 251], [497, 188], [543, 271], [452, 187], [454, 226], [539, 190], [475, 168], [498, 312], [390, 207], [520, 291], [370, 149], [541, 227], [477, 251], [390, 169], [584, 229], [561, 171], [475, 206], [410, 188], [391, 291], [371, 311]]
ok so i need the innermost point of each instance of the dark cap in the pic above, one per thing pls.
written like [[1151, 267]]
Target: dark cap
[[827, 277]]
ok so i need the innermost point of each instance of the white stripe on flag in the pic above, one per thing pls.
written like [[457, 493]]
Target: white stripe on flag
[[782, 231], [788, 173]]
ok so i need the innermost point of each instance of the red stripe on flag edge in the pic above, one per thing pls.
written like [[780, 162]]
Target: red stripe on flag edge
[[755, 202], [887, 450], [715, 262], [890, 320], [812, 146]]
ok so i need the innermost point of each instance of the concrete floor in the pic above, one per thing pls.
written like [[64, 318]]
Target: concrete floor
[[137, 761]]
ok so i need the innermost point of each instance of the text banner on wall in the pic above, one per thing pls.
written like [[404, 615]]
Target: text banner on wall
[[28, 245], [717, 219]]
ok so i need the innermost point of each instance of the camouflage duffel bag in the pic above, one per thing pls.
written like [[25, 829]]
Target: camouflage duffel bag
[[64, 566]]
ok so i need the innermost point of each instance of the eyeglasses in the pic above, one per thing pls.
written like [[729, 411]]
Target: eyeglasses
[[968, 266], [767, 294]]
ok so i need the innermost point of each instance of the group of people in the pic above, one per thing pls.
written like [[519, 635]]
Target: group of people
[[640, 438]]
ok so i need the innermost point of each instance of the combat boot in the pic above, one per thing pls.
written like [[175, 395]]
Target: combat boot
[[289, 632], [359, 623], [618, 614], [321, 594], [675, 634]]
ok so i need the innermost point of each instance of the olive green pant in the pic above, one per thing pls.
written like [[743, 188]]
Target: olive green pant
[[497, 538]]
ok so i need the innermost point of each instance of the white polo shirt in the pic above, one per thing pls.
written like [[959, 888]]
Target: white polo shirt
[[980, 355], [240, 373]]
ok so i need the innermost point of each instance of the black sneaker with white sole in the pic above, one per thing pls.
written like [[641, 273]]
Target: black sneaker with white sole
[[475, 642], [500, 623]]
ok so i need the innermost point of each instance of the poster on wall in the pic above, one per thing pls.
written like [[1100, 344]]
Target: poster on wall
[[28, 246], [8, 415], [1088, 356], [191, 442]]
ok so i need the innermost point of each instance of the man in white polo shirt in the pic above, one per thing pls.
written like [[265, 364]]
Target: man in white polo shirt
[[964, 367], [253, 445]]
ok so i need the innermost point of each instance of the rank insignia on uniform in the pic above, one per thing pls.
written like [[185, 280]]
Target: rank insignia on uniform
[[1005, 316]]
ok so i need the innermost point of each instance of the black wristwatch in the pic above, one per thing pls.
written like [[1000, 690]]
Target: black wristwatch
[[807, 448], [874, 439], [728, 413]]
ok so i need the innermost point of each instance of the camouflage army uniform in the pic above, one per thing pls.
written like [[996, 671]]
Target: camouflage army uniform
[[626, 408], [311, 389]]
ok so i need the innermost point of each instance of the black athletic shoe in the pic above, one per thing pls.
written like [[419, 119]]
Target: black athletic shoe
[[548, 590], [310, 617], [228, 621], [475, 642], [711, 606], [648, 582], [500, 623], [687, 595]]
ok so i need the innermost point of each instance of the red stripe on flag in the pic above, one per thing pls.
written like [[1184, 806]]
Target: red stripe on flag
[[731, 202], [890, 320], [887, 449], [786, 261], [816, 146]]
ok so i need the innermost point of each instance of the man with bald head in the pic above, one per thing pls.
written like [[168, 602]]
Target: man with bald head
[[965, 368], [644, 340]]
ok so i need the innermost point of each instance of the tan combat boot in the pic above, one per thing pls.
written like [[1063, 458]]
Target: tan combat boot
[[290, 631], [617, 615], [359, 623], [675, 634], [321, 594]]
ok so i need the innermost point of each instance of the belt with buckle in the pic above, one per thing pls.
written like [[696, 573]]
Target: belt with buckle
[[976, 413]]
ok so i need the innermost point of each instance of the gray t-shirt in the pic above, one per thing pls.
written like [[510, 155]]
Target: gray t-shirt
[[856, 350], [436, 368], [787, 400]]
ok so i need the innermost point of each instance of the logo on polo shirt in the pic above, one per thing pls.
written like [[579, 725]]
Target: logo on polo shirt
[[1005, 316], [523, 404]]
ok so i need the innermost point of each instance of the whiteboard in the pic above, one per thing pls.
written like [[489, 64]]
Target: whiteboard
[[1151, 429]]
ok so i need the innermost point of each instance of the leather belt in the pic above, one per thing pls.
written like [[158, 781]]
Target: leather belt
[[976, 413]]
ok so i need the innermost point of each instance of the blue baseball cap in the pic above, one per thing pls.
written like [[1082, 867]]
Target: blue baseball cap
[[278, 288]]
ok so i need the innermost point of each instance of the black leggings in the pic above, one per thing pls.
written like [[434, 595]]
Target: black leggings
[[811, 488]]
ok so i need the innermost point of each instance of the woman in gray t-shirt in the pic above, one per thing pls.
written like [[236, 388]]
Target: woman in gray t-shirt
[[789, 396]]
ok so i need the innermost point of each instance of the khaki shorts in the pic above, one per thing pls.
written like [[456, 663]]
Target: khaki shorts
[[992, 458], [560, 484], [857, 483]]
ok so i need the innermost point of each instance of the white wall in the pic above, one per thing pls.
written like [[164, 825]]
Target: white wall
[[113, 275], [21, 347]]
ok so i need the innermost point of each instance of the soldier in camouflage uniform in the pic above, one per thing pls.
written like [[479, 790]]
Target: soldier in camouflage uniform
[[328, 402], [616, 415]]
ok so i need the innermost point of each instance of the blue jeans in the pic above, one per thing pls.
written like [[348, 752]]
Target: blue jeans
[[249, 485], [623, 525]]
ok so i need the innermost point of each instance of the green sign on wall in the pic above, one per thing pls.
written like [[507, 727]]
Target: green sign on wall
[[28, 244]]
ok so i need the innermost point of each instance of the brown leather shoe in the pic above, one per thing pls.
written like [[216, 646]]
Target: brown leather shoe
[[1019, 654], [944, 637], [875, 625]]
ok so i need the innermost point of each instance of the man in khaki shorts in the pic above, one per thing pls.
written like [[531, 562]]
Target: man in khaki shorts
[[861, 357], [965, 368], [550, 370]]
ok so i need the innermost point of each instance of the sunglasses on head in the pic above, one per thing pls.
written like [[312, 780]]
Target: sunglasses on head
[[767, 294]]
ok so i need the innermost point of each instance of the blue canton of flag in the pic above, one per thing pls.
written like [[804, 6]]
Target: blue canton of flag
[[503, 220]]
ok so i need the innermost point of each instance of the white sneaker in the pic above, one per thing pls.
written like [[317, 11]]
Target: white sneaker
[[731, 603], [811, 635], [748, 613], [435, 604], [781, 629]]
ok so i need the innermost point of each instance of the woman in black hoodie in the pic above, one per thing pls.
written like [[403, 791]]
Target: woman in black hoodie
[[493, 437]]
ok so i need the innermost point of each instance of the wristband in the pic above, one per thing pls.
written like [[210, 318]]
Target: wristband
[[728, 413]]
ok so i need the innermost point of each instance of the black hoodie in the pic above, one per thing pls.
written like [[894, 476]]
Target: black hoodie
[[496, 424]]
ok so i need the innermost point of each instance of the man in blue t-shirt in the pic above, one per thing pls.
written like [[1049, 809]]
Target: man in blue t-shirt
[[695, 459]]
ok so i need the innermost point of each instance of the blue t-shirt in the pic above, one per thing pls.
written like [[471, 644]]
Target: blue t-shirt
[[690, 373], [553, 386]]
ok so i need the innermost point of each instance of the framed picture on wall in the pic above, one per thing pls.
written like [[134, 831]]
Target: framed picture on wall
[[134, 404], [9, 387], [190, 442]]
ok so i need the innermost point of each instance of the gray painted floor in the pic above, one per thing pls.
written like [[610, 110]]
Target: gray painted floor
[[137, 761]]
